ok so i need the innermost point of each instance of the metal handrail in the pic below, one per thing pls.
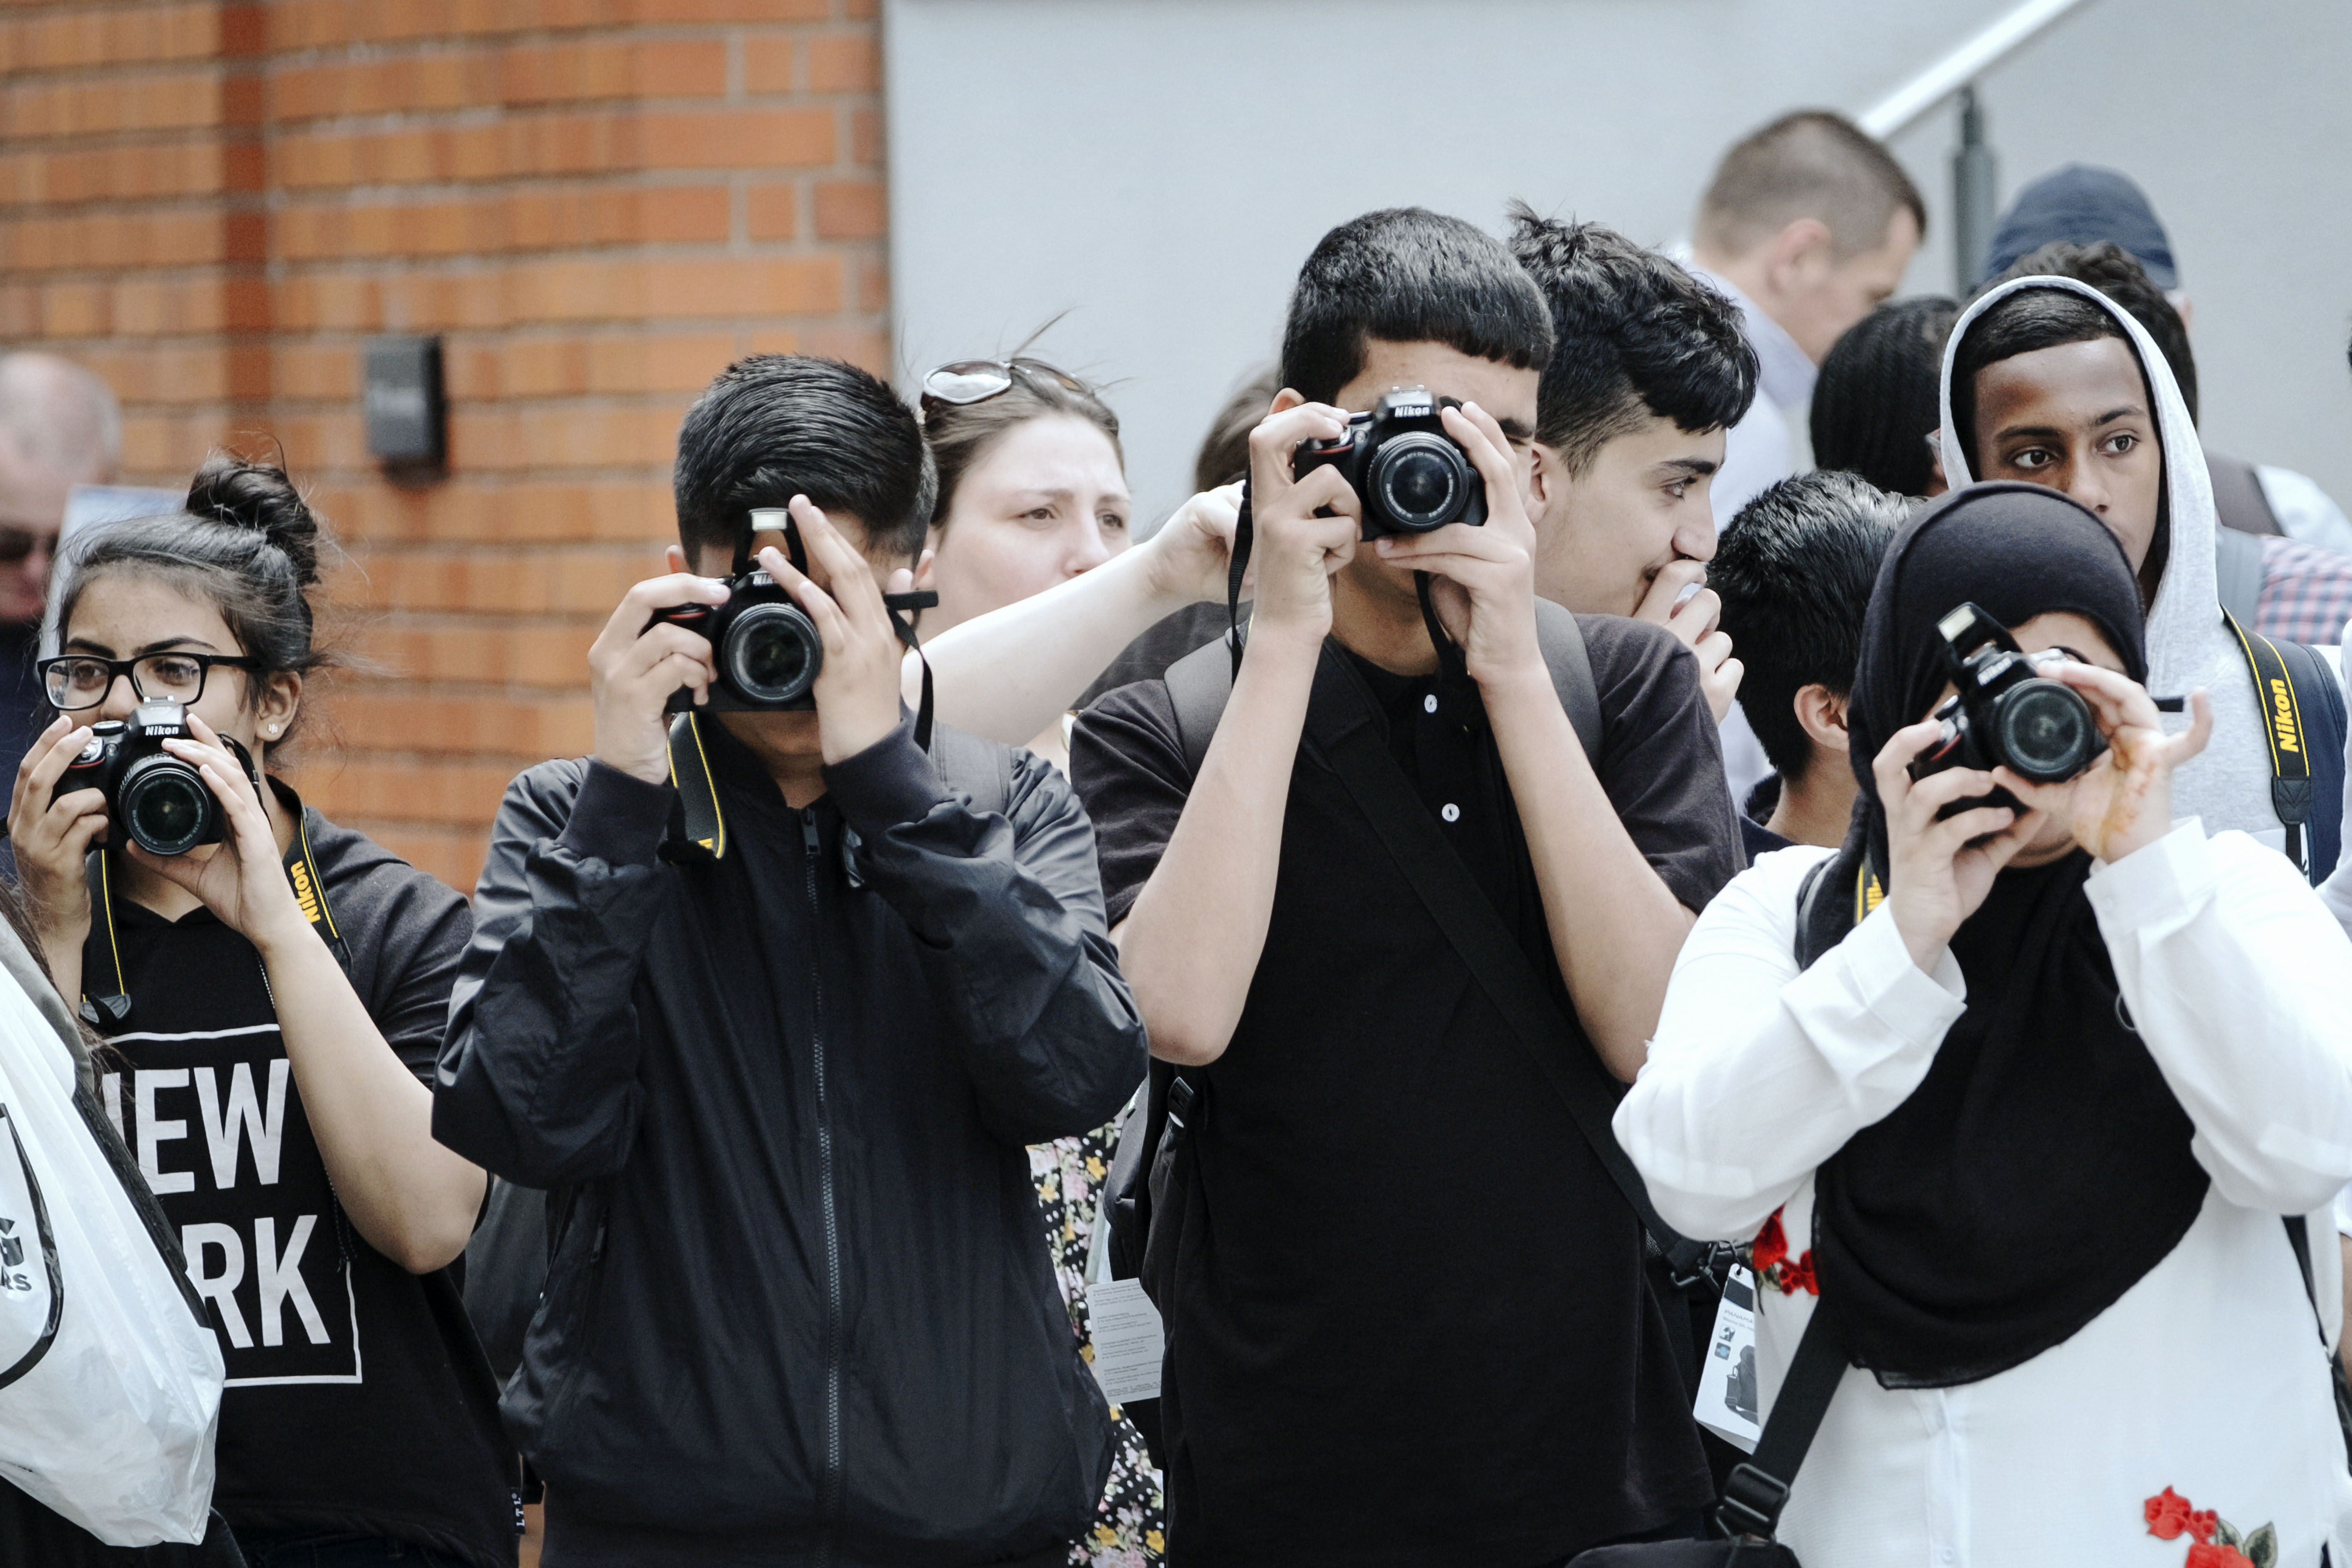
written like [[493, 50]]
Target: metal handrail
[[1923, 92]]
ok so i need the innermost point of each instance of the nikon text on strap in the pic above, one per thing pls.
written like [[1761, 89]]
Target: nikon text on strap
[[2302, 708]]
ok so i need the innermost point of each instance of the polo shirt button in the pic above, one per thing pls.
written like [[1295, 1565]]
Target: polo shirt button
[[1429, 703], [1450, 811]]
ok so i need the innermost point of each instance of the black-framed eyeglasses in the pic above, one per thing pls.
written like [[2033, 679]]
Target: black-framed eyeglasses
[[976, 380], [78, 681]]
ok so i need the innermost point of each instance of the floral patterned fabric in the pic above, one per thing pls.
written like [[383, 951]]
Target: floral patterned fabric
[[1129, 1530]]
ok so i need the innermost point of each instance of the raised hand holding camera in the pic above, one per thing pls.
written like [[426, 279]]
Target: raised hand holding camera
[[2123, 800], [855, 686], [1305, 519], [242, 882], [636, 663], [1482, 582]]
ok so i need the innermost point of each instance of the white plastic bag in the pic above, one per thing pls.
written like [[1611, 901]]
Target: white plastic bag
[[110, 1375]]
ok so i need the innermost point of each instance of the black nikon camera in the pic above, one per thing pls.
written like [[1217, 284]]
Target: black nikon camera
[[2004, 714], [1409, 473], [161, 801], [767, 649]]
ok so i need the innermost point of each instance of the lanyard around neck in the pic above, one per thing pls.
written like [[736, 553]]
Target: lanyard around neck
[[110, 1010]]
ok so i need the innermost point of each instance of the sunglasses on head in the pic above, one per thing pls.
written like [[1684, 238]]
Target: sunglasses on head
[[969, 381], [16, 544]]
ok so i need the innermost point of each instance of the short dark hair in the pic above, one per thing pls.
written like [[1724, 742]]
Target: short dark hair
[[1794, 570], [1224, 455], [1633, 335], [2022, 323], [1875, 402], [247, 544], [774, 426], [1406, 274], [1813, 164], [959, 433], [2117, 274]]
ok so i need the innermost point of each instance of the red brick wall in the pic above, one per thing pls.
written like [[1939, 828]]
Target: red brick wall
[[596, 203]]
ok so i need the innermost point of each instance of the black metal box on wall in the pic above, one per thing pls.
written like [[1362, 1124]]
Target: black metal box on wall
[[400, 392]]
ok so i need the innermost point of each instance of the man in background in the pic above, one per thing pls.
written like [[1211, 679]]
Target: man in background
[[58, 428], [1808, 225]]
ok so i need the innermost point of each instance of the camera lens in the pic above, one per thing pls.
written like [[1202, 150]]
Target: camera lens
[[166, 806], [1421, 481], [2045, 731], [772, 654]]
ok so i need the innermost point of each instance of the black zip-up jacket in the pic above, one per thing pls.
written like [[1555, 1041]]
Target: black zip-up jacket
[[800, 1308]]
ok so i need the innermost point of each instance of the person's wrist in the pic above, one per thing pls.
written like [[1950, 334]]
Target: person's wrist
[[650, 766], [1925, 934], [853, 732], [1164, 583], [1297, 631]]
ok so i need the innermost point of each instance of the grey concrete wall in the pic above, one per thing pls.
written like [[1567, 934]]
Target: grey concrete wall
[[1158, 169]]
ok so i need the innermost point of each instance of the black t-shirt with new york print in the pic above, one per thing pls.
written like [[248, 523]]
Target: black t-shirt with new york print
[[358, 1398]]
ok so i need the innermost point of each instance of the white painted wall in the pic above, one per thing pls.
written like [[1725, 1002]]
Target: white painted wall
[[1159, 168]]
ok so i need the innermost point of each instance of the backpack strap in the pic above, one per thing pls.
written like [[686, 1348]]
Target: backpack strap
[[2238, 573], [2302, 710], [2239, 504], [1198, 684], [1201, 682]]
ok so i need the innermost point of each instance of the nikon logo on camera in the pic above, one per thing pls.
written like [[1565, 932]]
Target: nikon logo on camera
[[2283, 717], [305, 894]]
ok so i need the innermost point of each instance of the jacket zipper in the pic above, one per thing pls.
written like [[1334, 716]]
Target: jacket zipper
[[832, 1497]]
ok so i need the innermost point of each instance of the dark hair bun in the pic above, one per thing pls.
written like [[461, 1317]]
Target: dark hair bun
[[261, 497]]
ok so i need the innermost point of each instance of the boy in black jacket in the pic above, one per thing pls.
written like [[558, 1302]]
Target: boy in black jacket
[[799, 1308]]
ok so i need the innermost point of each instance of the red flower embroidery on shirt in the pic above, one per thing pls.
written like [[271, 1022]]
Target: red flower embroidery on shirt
[[1768, 1255], [1771, 1244], [2206, 1555], [2167, 1515], [2214, 1541]]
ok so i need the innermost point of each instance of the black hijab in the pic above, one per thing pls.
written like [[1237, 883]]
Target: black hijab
[[2042, 1166]]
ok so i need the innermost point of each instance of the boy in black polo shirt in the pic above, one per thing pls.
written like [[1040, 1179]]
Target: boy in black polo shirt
[[1406, 1317]]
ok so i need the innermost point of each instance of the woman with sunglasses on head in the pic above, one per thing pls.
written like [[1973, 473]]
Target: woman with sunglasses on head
[[277, 996], [1034, 513], [2029, 1097], [1033, 493]]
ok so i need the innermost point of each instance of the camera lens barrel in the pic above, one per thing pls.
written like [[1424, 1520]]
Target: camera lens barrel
[[770, 654], [166, 806], [1421, 481], [2045, 731]]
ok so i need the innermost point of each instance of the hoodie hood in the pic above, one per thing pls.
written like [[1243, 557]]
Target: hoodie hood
[[2188, 644]]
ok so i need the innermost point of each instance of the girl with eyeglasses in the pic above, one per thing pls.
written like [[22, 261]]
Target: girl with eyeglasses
[[275, 999]]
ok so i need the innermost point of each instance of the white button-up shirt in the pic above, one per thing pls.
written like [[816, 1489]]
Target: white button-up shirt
[[2207, 1376]]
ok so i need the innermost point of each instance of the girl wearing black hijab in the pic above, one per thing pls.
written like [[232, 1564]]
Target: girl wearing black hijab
[[2030, 1119]]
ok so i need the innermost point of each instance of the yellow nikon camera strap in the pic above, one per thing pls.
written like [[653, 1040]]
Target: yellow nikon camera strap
[[2282, 726]]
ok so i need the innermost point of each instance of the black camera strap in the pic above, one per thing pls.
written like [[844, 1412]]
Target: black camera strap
[[110, 1010], [1237, 567]]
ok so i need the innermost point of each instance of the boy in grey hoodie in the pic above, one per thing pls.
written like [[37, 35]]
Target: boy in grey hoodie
[[2059, 415]]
